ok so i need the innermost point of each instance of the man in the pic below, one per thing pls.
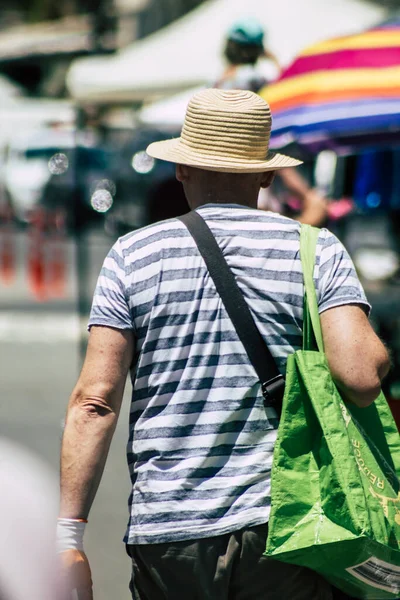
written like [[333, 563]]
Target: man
[[201, 443]]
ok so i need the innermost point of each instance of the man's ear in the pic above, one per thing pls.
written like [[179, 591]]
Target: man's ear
[[181, 172], [267, 178]]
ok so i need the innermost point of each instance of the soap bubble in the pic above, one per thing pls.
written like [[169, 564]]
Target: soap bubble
[[58, 164], [106, 184], [101, 201], [143, 163]]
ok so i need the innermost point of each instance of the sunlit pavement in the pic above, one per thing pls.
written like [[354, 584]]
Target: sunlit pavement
[[39, 357]]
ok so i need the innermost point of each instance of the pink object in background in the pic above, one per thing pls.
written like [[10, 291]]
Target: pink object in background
[[337, 209]]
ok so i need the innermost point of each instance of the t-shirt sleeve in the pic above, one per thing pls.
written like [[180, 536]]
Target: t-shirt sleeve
[[336, 280], [110, 306]]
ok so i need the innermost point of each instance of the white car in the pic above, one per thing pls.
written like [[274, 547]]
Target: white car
[[26, 166]]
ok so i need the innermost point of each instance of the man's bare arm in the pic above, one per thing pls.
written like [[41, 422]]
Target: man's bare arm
[[357, 358], [92, 415], [314, 205]]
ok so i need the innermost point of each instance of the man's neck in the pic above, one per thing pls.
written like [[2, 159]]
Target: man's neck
[[207, 187], [224, 200]]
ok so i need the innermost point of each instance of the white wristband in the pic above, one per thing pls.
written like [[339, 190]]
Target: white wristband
[[70, 535]]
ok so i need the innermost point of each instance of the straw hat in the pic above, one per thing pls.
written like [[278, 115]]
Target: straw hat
[[224, 130]]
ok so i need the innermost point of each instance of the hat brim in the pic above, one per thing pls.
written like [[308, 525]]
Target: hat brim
[[177, 152]]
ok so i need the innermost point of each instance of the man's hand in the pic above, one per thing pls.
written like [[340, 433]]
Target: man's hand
[[314, 208], [76, 578]]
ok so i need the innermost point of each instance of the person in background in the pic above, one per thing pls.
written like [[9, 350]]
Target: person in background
[[247, 62], [28, 513], [244, 51], [291, 195]]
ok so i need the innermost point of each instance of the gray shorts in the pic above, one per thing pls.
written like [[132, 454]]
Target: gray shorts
[[226, 567]]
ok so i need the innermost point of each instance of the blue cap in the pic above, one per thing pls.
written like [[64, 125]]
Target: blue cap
[[247, 32]]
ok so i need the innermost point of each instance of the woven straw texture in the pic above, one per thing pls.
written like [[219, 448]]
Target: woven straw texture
[[224, 130]]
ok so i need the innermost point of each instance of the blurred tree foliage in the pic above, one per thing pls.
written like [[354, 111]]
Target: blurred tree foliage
[[390, 4], [45, 10], [34, 11]]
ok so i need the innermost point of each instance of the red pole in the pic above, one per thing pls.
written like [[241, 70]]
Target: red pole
[[57, 259], [36, 256], [7, 247]]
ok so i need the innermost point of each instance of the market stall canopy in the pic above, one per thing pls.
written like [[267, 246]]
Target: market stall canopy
[[167, 113], [188, 52]]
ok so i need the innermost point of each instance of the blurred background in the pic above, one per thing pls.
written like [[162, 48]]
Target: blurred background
[[85, 87]]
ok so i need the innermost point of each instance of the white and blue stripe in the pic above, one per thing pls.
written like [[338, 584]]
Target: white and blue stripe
[[200, 445]]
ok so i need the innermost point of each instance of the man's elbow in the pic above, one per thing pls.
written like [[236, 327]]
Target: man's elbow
[[364, 396], [89, 404], [365, 388], [360, 381], [384, 364]]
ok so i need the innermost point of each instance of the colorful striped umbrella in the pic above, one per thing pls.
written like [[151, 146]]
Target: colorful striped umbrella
[[343, 93]]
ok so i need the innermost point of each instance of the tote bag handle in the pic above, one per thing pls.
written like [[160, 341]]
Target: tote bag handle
[[312, 333]]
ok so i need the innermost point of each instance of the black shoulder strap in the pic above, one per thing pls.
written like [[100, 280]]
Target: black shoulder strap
[[272, 382]]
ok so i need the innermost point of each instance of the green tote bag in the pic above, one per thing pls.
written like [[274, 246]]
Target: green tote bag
[[335, 477]]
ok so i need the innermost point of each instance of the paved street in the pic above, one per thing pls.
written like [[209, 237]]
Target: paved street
[[39, 365]]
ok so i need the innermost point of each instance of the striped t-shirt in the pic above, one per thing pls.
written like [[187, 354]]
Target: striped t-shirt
[[200, 442]]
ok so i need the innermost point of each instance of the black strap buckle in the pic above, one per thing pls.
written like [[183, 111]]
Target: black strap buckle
[[272, 391]]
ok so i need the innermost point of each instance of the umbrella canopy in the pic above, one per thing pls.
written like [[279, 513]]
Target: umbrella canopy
[[343, 93]]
